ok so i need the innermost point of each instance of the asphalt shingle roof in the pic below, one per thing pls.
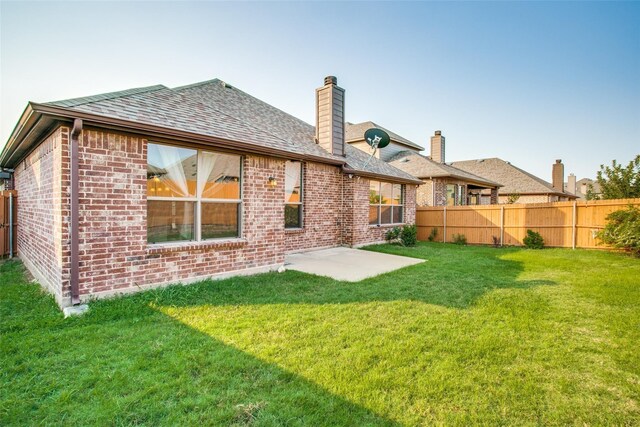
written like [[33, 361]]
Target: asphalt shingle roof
[[423, 167], [217, 109], [514, 179], [355, 132]]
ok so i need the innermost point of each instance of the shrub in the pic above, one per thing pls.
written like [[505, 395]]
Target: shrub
[[496, 241], [459, 239], [533, 240], [623, 230], [409, 235], [392, 235], [433, 234]]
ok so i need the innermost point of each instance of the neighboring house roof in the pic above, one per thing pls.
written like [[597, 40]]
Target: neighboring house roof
[[212, 109], [514, 179], [425, 168], [585, 181], [355, 132]]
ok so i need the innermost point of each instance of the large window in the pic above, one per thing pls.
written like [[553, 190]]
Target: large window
[[192, 195], [293, 195], [386, 203]]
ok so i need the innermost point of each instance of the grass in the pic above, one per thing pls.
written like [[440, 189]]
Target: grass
[[475, 335]]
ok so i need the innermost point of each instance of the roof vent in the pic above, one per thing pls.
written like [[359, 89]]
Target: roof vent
[[330, 80], [226, 85]]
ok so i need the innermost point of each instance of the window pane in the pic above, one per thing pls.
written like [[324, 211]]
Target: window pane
[[398, 214], [171, 171], [386, 189], [374, 192], [293, 216], [220, 175], [373, 215], [451, 194], [219, 220], [293, 182], [397, 194], [385, 215], [169, 221]]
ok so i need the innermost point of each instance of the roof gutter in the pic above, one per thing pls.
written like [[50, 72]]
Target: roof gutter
[[74, 278], [159, 131], [348, 170]]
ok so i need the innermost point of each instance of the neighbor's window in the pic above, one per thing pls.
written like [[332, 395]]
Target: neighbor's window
[[386, 203], [293, 194], [455, 195], [192, 195]]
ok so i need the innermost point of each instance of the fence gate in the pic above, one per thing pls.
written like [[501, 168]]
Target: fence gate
[[8, 202]]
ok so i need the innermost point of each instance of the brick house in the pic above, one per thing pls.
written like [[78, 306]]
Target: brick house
[[519, 186], [151, 186], [442, 184]]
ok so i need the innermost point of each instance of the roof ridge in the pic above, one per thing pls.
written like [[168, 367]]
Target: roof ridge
[[189, 86], [74, 102]]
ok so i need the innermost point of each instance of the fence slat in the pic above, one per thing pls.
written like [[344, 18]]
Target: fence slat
[[561, 224]]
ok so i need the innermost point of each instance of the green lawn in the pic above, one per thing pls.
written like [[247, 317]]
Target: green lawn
[[475, 335]]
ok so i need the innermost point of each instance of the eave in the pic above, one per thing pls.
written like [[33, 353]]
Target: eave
[[39, 118]]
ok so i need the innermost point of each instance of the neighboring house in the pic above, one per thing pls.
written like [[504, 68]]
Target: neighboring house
[[443, 185], [146, 187], [519, 186], [354, 136], [580, 187]]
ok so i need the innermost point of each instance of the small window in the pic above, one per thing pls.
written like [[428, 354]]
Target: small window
[[293, 193], [192, 195], [386, 203]]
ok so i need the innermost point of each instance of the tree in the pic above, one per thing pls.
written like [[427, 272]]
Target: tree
[[618, 182]]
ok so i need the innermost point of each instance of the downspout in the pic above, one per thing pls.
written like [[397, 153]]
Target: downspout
[[75, 214]]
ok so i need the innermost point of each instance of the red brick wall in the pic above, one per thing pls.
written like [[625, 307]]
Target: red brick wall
[[114, 254], [357, 230], [321, 209], [42, 236]]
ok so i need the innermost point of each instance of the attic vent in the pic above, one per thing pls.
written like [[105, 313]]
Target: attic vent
[[405, 160], [226, 85], [480, 160]]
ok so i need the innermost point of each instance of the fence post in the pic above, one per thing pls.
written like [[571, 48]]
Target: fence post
[[501, 225], [573, 227], [444, 234]]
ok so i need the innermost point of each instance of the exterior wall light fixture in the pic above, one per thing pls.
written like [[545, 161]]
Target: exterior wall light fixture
[[272, 182]]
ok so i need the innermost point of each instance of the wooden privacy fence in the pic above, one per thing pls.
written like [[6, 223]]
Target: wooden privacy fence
[[7, 199], [561, 224]]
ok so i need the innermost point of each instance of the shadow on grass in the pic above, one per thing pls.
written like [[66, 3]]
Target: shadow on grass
[[453, 277], [129, 361]]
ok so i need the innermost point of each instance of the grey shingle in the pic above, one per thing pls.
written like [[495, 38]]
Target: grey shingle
[[514, 179], [355, 132], [423, 167], [214, 108]]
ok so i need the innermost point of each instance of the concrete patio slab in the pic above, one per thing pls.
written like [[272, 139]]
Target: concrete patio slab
[[346, 264]]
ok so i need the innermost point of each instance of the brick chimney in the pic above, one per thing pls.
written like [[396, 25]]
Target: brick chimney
[[557, 176], [571, 184], [330, 116], [437, 147]]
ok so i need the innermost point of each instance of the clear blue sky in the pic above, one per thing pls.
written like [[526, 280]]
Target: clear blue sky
[[526, 82]]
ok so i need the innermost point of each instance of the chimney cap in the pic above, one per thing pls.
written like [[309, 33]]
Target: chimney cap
[[558, 160], [438, 132], [330, 80]]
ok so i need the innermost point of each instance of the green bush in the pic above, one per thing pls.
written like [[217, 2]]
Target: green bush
[[432, 234], [533, 240], [459, 239], [623, 230], [392, 235], [409, 235]]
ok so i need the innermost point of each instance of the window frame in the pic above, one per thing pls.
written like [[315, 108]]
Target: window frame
[[379, 205], [197, 232], [301, 202]]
